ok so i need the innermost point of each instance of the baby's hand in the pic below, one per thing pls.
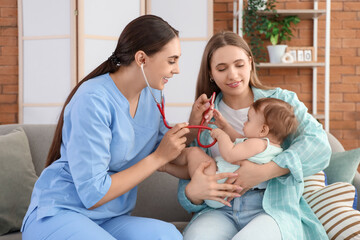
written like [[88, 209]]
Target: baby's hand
[[220, 121], [216, 133]]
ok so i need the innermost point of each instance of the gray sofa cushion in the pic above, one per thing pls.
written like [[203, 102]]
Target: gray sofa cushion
[[11, 236], [343, 166], [40, 137], [157, 198], [17, 177]]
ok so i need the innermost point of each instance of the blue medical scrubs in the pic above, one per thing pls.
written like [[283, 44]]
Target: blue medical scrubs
[[99, 138]]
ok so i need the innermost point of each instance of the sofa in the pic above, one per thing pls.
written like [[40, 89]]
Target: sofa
[[157, 195]]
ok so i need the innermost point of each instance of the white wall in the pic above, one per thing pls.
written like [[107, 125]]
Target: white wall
[[194, 20], [46, 65]]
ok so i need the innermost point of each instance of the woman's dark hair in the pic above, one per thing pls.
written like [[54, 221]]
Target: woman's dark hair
[[148, 33]]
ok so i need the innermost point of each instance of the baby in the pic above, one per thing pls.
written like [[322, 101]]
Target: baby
[[270, 121]]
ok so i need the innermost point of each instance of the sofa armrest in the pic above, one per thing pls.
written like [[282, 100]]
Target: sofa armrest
[[335, 144]]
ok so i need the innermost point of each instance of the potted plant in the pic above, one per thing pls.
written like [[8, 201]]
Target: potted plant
[[278, 30], [255, 24], [270, 26]]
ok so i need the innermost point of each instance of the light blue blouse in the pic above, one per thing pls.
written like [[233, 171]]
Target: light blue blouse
[[99, 138], [305, 153]]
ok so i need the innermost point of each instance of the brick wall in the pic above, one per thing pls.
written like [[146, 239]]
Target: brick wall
[[344, 63], [8, 62]]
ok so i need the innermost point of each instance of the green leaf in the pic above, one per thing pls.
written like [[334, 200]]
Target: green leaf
[[274, 39], [275, 28]]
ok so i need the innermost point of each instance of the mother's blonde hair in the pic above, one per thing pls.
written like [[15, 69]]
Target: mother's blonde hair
[[221, 39]]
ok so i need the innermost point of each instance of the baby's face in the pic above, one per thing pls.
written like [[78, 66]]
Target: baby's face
[[254, 125]]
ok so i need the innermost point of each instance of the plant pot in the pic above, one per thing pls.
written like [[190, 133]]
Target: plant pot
[[276, 52]]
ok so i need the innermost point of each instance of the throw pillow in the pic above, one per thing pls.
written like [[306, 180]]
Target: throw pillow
[[332, 205], [343, 166], [17, 178]]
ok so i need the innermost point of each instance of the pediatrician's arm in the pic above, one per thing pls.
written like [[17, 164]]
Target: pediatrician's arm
[[169, 148], [199, 107]]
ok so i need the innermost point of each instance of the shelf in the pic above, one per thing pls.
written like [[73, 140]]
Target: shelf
[[289, 65], [301, 13], [305, 14]]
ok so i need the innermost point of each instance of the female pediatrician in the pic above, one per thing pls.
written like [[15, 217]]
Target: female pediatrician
[[271, 206], [109, 138]]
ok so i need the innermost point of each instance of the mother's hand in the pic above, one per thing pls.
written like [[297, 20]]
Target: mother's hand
[[199, 107], [251, 174], [204, 186]]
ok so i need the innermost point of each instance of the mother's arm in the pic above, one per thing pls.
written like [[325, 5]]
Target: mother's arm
[[308, 151], [251, 174]]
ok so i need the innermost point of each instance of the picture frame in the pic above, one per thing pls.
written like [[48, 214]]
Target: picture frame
[[301, 54]]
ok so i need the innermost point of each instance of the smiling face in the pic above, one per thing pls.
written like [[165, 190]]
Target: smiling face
[[230, 69], [163, 65]]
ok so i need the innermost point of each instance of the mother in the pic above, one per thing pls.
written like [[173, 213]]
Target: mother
[[271, 205]]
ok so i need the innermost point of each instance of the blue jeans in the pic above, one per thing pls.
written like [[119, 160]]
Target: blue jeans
[[245, 220], [72, 225]]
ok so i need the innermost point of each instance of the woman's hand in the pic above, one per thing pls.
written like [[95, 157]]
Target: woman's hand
[[172, 143], [203, 186], [199, 107], [251, 174]]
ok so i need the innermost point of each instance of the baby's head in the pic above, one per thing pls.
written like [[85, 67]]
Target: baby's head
[[277, 116]]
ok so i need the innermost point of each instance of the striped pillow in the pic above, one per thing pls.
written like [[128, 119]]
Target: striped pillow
[[332, 205]]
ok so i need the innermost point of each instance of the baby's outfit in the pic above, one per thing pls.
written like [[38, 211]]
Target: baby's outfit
[[223, 166]]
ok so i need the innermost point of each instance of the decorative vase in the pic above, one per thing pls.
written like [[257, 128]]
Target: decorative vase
[[276, 52]]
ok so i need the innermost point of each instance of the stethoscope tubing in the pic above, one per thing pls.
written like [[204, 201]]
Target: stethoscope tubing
[[162, 112], [200, 127], [190, 126]]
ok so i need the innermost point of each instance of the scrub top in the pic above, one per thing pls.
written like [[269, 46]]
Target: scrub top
[[99, 138]]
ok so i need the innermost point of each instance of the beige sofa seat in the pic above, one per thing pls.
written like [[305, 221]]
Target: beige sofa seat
[[157, 195]]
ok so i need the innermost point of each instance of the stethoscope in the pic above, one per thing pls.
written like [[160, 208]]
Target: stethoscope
[[162, 112]]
